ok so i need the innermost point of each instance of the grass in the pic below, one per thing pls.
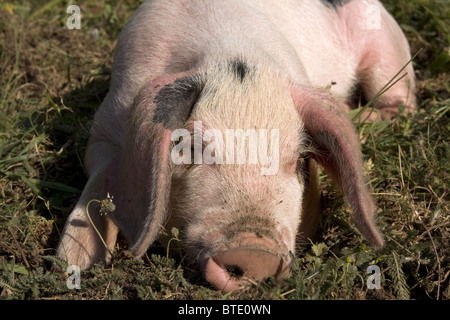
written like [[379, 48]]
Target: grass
[[51, 81]]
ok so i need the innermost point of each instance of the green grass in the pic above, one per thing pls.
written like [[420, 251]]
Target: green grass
[[51, 81]]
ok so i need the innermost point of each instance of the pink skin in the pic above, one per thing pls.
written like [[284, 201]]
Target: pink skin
[[128, 151], [136, 168], [336, 139], [255, 259]]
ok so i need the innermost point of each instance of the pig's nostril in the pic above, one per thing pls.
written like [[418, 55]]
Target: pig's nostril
[[234, 267], [234, 271], [250, 261]]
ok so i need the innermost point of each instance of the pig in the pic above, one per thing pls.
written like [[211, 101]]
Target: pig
[[203, 67]]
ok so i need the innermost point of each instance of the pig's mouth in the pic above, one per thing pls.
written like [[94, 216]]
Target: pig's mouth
[[248, 250], [248, 263]]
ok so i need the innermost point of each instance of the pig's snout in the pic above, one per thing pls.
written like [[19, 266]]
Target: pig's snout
[[228, 270]]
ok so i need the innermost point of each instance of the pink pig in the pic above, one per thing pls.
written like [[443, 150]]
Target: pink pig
[[202, 68]]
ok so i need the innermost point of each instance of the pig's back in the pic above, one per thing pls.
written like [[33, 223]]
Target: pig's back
[[300, 39]]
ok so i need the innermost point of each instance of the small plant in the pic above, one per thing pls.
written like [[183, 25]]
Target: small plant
[[106, 206]]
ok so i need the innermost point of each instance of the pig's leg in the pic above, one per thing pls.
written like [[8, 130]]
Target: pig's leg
[[80, 244], [384, 52]]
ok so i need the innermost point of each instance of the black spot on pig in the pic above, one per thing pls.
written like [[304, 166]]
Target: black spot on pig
[[335, 3], [240, 69], [175, 102]]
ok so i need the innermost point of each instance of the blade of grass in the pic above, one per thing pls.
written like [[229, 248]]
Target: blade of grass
[[54, 185], [43, 9], [385, 88]]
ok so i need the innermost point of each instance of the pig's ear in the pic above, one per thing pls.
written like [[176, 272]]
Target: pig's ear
[[338, 151], [139, 178]]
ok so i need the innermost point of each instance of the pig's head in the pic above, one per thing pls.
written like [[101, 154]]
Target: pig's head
[[221, 155]]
